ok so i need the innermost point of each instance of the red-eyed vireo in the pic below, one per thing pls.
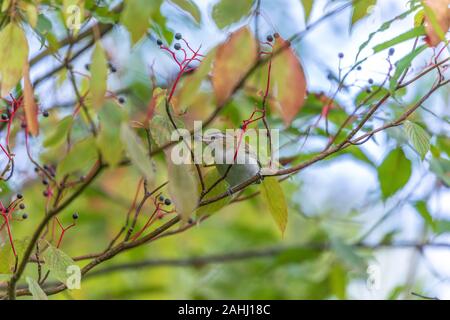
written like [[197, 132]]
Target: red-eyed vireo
[[233, 158]]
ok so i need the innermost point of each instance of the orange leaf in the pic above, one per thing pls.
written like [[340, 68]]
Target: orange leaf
[[234, 58], [31, 110], [288, 82], [437, 17]]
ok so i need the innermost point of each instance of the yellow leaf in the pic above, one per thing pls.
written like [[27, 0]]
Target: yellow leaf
[[182, 187], [275, 200], [234, 58], [31, 109], [13, 56], [99, 75]]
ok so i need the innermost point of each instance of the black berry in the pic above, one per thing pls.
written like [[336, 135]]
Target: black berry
[[340, 55], [4, 116], [269, 38], [358, 68], [371, 81], [24, 216], [167, 202], [159, 42], [23, 125], [368, 90], [75, 216], [391, 51], [111, 67], [161, 198], [45, 114], [45, 193], [121, 100], [178, 36], [21, 206], [19, 196], [177, 46], [87, 66], [44, 182]]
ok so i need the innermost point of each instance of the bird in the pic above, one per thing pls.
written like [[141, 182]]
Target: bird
[[234, 158]]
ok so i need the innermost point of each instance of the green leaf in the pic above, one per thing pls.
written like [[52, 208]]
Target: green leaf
[[338, 281], [190, 7], [138, 154], [226, 12], [441, 168], [422, 209], [136, 17], [273, 196], [59, 134], [13, 54], [419, 138], [111, 117], [385, 26], [361, 9], [191, 85], [82, 155], [36, 290], [183, 187], [442, 226], [413, 33], [210, 178], [403, 64], [394, 172], [99, 75], [348, 255], [307, 8], [58, 263]]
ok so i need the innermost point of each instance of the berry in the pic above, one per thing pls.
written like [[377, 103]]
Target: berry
[[36, 169], [111, 67], [4, 116], [177, 46], [45, 182], [23, 125], [178, 36], [368, 90], [159, 42], [21, 206], [161, 198], [87, 66], [391, 51], [45, 114], [45, 193], [191, 221], [358, 68], [19, 196], [340, 55], [269, 38], [371, 81], [25, 216], [167, 202], [121, 100], [330, 76], [75, 216]]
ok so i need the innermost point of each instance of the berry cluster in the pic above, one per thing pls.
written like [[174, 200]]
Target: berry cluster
[[7, 215]]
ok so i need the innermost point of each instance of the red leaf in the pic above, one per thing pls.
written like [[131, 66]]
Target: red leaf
[[31, 110], [234, 58], [288, 82]]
